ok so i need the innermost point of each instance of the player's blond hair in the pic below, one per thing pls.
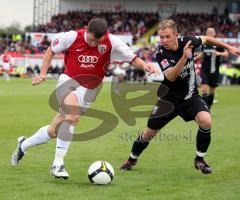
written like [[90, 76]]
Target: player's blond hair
[[168, 23]]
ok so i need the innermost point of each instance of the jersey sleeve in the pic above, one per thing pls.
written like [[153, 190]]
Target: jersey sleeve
[[121, 52], [163, 61], [196, 41], [62, 41]]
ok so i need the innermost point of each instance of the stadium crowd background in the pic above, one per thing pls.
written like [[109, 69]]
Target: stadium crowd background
[[125, 23]]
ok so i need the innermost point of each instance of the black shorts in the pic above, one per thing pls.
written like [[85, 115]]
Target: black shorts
[[187, 110], [210, 79]]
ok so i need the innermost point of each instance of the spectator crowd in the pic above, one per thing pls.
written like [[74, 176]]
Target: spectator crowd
[[128, 23], [134, 23]]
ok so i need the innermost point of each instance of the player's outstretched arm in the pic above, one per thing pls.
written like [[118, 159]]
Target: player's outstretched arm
[[47, 59], [215, 42], [149, 67]]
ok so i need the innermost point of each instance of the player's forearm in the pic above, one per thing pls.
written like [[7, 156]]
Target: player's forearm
[[215, 42], [47, 59], [138, 63], [172, 73]]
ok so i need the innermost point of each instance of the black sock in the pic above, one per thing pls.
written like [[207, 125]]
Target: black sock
[[210, 99], [138, 146], [205, 98], [203, 140]]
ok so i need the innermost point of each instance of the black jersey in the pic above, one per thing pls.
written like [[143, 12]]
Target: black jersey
[[184, 86], [211, 62]]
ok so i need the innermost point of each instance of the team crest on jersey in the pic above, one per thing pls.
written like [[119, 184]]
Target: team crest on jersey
[[102, 48], [55, 42], [164, 63]]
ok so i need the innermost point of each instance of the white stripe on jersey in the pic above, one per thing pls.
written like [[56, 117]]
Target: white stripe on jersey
[[213, 63], [191, 83]]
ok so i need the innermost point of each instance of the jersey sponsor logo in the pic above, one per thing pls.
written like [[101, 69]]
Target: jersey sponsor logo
[[55, 42], [87, 66], [102, 48], [164, 63], [87, 59]]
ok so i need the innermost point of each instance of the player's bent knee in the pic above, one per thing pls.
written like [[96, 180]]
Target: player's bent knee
[[148, 134], [52, 132], [205, 122], [204, 90], [72, 118]]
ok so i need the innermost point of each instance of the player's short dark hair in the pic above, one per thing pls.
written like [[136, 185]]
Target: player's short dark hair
[[168, 23], [98, 27]]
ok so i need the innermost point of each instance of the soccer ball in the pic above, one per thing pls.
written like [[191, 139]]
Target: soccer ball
[[101, 173]]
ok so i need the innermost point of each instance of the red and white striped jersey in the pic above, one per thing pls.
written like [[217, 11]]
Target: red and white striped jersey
[[88, 64]]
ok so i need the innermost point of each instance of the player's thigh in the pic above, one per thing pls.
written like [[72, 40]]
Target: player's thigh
[[162, 113], [190, 108]]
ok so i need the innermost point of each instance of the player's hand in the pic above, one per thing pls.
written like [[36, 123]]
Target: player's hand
[[216, 53], [187, 51], [234, 51], [38, 79], [152, 68]]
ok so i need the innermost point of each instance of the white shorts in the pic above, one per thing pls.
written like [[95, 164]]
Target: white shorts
[[84, 95], [6, 66]]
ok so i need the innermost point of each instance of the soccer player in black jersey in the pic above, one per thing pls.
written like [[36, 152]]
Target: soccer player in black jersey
[[211, 60], [177, 64]]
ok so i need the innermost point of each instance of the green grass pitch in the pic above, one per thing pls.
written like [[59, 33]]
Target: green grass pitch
[[164, 171]]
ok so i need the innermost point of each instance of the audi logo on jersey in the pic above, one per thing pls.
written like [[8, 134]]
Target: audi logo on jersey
[[87, 59]]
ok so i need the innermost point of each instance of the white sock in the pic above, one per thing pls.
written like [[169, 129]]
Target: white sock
[[200, 154], [64, 139], [40, 137], [133, 156]]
